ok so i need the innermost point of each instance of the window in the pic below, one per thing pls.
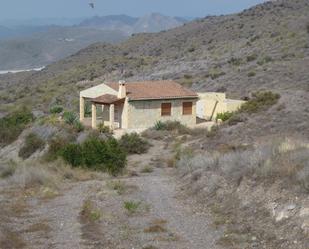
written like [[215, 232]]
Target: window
[[166, 109], [187, 108]]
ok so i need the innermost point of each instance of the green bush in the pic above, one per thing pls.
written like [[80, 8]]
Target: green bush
[[235, 61], [32, 143], [251, 74], [78, 126], [251, 57], [265, 60], [224, 116], [260, 100], [174, 126], [96, 154], [104, 129], [73, 154], [215, 73], [134, 144], [13, 124], [56, 109], [235, 119], [159, 125], [69, 117]]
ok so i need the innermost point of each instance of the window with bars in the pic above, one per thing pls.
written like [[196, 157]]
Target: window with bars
[[166, 109], [187, 108]]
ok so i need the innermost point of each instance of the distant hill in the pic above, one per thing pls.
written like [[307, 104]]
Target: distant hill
[[43, 48], [149, 23], [23, 47]]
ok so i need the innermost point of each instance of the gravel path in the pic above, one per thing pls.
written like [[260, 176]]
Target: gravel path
[[62, 215], [193, 230]]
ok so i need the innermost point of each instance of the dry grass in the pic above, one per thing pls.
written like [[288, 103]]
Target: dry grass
[[232, 185], [284, 159], [171, 162], [155, 229], [38, 227], [147, 169], [43, 176], [156, 226], [121, 187], [89, 212], [150, 247], [118, 186], [10, 239]]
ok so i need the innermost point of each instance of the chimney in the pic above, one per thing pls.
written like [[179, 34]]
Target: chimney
[[122, 89]]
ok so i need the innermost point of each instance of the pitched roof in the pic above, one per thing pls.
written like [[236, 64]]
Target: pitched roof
[[107, 99], [164, 89]]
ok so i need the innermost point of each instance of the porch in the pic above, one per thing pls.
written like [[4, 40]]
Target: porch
[[106, 109]]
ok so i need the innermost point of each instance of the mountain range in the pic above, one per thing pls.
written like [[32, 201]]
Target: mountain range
[[29, 46], [149, 23]]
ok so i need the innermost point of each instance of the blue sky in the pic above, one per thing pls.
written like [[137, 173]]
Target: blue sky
[[25, 9]]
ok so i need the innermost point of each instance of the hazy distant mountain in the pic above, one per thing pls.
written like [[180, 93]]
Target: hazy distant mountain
[[149, 23], [34, 46], [123, 23], [41, 22], [43, 48], [156, 22], [19, 31]]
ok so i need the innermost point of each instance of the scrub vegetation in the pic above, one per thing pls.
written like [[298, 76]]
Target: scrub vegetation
[[13, 124], [96, 154]]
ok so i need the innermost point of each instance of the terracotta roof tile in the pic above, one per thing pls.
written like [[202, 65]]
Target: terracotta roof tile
[[107, 99], [164, 89]]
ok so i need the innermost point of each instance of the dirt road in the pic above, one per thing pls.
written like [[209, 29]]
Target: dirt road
[[140, 211]]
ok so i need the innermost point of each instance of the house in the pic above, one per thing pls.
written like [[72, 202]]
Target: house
[[210, 104], [139, 105]]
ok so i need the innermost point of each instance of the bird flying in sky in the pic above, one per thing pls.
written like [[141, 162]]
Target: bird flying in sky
[[91, 5]]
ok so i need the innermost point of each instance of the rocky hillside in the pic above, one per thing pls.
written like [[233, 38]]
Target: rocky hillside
[[264, 47]]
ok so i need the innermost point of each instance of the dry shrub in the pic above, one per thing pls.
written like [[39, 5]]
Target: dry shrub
[[89, 212], [46, 176], [284, 159], [154, 134], [156, 226], [32, 144], [32, 174], [7, 168]]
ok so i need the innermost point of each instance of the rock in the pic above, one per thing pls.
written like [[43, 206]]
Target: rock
[[304, 212], [305, 226], [82, 137], [45, 132], [38, 114], [282, 215], [291, 207]]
